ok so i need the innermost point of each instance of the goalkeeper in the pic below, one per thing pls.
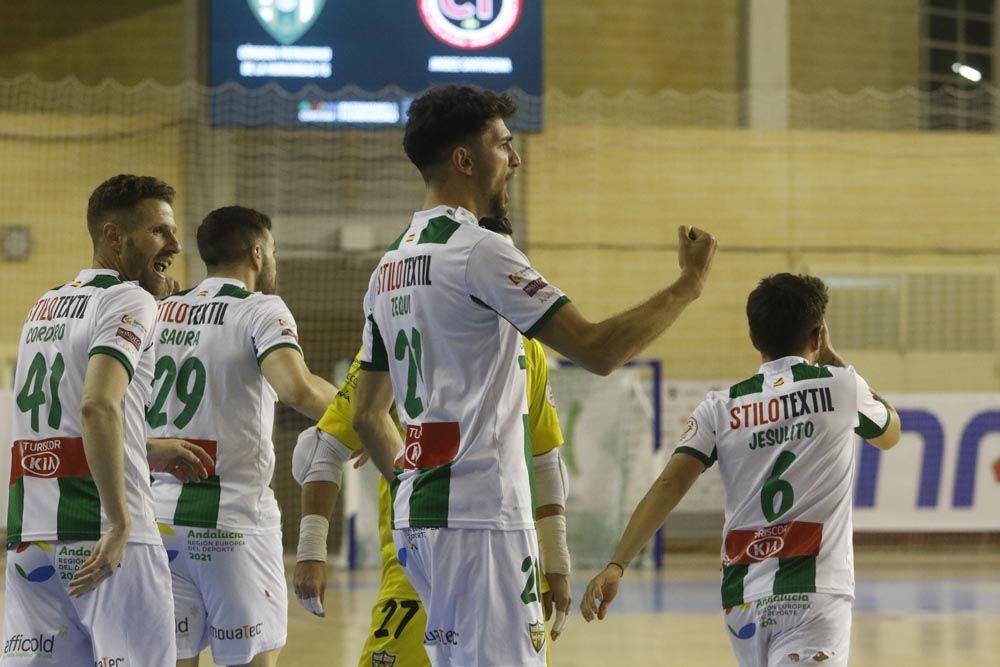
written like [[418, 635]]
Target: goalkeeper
[[398, 618]]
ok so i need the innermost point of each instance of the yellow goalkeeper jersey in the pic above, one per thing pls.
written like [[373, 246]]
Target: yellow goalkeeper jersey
[[545, 436]]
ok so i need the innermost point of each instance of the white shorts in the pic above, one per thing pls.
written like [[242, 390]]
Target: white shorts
[[791, 630], [128, 621], [229, 592], [481, 592]]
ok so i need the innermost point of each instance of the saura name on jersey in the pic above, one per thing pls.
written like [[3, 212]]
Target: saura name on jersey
[[408, 272]]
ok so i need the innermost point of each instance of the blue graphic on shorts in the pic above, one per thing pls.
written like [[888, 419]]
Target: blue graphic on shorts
[[37, 575], [746, 632], [401, 555]]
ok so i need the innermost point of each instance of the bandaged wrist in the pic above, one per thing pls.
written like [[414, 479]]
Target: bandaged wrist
[[313, 529], [552, 540]]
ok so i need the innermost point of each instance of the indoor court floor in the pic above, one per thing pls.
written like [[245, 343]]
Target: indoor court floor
[[913, 609]]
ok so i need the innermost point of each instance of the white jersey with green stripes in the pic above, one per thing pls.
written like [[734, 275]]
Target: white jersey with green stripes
[[439, 311], [785, 443], [209, 390], [52, 492]]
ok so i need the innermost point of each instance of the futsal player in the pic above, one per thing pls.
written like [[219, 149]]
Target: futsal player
[[439, 342], [87, 579], [784, 441], [227, 350], [397, 635]]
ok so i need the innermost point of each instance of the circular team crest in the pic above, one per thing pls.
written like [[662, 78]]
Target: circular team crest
[[470, 24], [690, 430]]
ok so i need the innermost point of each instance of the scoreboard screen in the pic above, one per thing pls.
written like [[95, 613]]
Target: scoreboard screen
[[384, 50]]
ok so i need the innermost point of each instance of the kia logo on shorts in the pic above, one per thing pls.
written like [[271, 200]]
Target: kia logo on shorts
[[765, 547], [44, 464]]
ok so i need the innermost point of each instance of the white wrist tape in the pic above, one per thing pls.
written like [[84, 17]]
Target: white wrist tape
[[552, 540], [312, 538], [551, 479], [319, 457]]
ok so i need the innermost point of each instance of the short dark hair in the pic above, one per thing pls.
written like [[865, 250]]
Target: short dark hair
[[784, 311], [227, 233], [121, 193], [444, 117], [497, 225]]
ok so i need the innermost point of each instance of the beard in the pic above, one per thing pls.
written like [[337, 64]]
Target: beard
[[150, 281], [497, 206], [267, 281]]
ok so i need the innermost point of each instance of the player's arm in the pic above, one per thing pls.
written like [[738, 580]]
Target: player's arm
[[602, 347], [893, 431], [309, 579], [551, 488], [104, 386], [890, 435], [286, 371], [676, 479], [317, 465], [372, 400]]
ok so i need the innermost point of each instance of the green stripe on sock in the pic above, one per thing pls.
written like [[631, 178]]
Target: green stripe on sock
[[429, 498], [732, 584], [795, 575], [79, 513], [198, 504], [15, 511]]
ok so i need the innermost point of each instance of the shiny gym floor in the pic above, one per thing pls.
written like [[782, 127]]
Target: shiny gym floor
[[913, 609]]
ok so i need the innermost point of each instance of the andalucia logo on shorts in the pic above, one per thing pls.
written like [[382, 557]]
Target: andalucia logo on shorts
[[537, 632], [286, 20]]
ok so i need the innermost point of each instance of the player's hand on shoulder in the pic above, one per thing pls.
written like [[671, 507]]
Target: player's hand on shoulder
[[695, 252], [309, 583], [601, 590], [184, 460], [102, 563]]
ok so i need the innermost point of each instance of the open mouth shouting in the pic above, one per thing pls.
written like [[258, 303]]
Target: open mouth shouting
[[161, 266]]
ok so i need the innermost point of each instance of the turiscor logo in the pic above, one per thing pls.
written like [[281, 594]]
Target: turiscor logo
[[42, 645]]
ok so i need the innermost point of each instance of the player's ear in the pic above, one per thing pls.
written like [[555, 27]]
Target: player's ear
[[112, 235], [256, 256], [461, 159]]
